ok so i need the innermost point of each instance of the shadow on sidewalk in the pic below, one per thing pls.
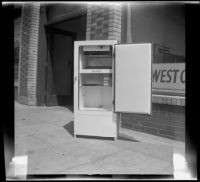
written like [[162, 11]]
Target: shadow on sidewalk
[[69, 127], [122, 136], [70, 107]]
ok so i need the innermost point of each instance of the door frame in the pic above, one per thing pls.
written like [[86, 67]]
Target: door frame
[[50, 31]]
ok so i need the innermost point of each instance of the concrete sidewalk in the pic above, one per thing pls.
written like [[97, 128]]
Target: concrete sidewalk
[[45, 135]]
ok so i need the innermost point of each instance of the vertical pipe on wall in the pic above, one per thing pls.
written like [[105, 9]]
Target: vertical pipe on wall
[[129, 21]]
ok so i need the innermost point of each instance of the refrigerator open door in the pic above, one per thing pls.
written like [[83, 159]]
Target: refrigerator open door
[[133, 76]]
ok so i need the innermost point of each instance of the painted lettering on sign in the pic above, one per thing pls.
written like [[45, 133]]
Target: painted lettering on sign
[[169, 77]]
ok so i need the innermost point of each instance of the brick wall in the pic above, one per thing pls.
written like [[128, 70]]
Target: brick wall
[[28, 53], [166, 121], [103, 22], [17, 39]]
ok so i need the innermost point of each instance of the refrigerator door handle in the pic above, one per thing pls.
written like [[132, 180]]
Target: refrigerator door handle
[[75, 79]]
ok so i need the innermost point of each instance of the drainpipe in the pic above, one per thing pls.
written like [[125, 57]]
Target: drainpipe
[[128, 28]]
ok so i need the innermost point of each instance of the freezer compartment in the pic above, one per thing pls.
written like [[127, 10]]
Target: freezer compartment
[[96, 79], [95, 98], [93, 57], [96, 48]]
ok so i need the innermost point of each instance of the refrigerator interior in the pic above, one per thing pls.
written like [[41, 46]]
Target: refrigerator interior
[[95, 98], [95, 57], [95, 89]]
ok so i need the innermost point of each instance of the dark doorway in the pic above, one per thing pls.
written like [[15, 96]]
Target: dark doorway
[[60, 60], [59, 83]]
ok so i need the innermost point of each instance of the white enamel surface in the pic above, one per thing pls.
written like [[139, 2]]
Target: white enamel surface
[[93, 108], [95, 125], [133, 78]]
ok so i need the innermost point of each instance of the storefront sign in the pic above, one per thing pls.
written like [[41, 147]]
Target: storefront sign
[[169, 78]]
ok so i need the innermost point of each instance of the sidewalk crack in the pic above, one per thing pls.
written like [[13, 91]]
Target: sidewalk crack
[[91, 162]]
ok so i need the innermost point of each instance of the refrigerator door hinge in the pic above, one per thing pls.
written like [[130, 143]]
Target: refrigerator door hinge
[[113, 102]]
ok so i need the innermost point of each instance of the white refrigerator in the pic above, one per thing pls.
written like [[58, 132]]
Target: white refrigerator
[[110, 78]]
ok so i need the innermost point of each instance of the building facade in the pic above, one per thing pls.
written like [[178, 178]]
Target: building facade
[[44, 36]]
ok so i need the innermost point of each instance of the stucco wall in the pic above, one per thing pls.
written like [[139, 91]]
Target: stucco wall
[[62, 11], [161, 24], [77, 25], [164, 25]]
